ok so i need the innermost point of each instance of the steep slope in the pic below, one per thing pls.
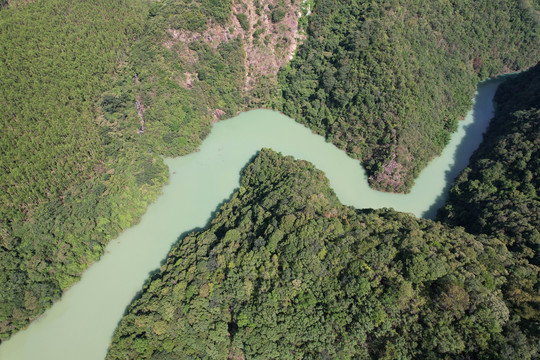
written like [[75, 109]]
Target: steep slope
[[199, 62], [387, 80], [285, 271], [498, 193], [66, 187], [84, 123]]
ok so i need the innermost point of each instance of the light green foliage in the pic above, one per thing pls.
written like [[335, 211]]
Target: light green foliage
[[285, 271], [388, 80], [192, 15], [180, 84], [305, 10], [68, 183], [74, 175]]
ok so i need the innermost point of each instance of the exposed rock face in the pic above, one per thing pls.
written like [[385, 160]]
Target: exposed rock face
[[188, 84], [218, 113], [139, 106], [269, 43]]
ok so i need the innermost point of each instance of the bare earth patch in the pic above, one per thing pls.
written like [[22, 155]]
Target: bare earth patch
[[390, 176], [268, 45], [218, 113], [188, 83]]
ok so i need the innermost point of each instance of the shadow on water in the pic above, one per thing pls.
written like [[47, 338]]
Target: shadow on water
[[482, 114], [154, 274], [474, 133]]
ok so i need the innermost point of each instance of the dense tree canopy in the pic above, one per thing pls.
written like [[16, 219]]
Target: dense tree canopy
[[285, 271], [387, 80], [94, 92], [499, 192], [68, 182], [83, 125]]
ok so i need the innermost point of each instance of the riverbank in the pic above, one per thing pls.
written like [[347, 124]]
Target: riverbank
[[81, 324]]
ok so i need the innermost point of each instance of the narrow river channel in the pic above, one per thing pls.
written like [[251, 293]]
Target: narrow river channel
[[81, 325]]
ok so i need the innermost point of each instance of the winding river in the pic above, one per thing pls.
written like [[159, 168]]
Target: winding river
[[81, 324]]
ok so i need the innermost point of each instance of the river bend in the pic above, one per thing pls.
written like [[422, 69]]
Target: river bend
[[81, 325]]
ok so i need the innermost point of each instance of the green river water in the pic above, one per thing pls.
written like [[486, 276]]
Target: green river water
[[81, 324]]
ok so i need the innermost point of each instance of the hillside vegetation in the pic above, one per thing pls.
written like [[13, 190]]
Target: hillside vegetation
[[93, 93], [199, 61], [387, 80], [66, 186], [499, 192], [285, 271], [84, 121], [176, 101]]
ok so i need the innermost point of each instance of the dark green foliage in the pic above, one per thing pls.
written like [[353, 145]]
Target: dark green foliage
[[243, 20], [499, 193], [257, 33], [219, 10], [388, 80], [68, 183], [285, 271], [283, 266], [278, 14]]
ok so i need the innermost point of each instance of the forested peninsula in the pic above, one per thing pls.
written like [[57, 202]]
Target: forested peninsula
[[285, 271], [93, 94]]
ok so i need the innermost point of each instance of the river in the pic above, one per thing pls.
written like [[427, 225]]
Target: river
[[81, 324]]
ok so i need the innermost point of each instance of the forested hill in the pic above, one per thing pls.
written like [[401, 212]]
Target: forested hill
[[285, 271], [388, 80], [66, 185], [499, 192], [94, 92], [84, 120]]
